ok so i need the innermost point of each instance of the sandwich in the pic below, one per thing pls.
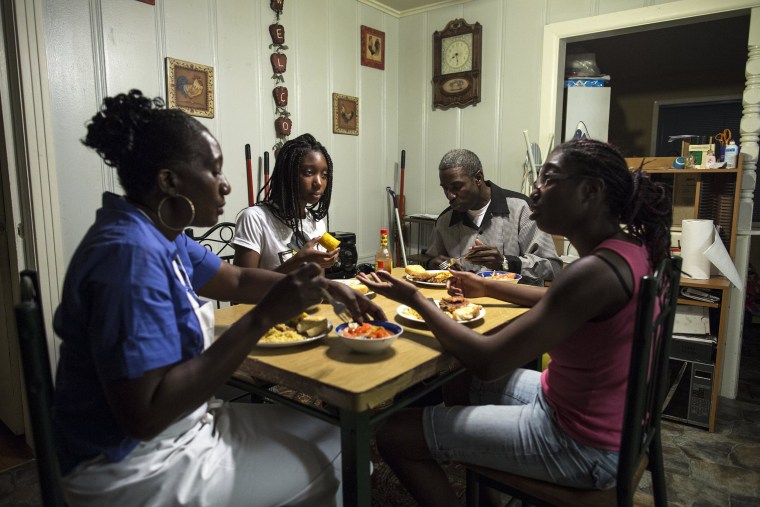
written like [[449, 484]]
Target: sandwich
[[312, 326], [417, 272]]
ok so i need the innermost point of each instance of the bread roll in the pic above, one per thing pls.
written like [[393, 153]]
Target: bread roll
[[312, 326], [417, 272], [466, 312], [360, 288]]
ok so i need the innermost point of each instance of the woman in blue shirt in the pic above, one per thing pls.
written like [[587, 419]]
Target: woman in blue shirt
[[134, 413]]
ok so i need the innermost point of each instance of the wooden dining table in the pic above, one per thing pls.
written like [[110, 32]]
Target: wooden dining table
[[357, 391]]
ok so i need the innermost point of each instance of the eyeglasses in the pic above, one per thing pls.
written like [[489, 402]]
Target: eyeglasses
[[552, 177]]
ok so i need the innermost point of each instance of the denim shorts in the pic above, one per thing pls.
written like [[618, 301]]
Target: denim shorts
[[511, 427]]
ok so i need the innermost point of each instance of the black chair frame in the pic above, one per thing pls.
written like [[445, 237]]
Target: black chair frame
[[39, 387], [218, 239]]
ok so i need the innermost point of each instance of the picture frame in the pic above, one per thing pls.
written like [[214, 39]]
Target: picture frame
[[151, 2], [372, 48], [345, 114], [190, 87]]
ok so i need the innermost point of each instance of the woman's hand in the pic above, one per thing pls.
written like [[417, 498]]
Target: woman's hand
[[293, 294], [466, 284], [390, 287], [310, 253], [357, 304]]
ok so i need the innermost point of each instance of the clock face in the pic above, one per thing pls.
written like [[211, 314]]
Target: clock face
[[456, 54]]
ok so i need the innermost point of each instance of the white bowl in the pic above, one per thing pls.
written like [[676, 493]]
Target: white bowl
[[371, 345], [490, 274]]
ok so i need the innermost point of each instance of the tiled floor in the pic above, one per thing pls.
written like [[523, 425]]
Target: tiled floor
[[702, 469]]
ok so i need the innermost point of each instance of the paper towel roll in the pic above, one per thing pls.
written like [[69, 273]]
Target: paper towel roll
[[696, 237]]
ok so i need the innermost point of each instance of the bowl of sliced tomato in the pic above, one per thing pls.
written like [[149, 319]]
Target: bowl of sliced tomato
[[371, 337], [504, 276]]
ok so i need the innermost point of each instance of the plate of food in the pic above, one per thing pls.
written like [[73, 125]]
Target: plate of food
[[357, 286], [455, 307], [427, 277], [303, 329]]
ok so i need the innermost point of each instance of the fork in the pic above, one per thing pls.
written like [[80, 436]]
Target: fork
[[338, 307], [448, 263]]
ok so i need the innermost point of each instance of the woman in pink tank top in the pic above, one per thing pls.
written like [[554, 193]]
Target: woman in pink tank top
[[562, 425]]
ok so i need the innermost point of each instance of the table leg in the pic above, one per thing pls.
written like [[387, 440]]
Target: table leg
[[355, 435]]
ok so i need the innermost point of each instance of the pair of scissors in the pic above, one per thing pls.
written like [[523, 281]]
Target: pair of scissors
[[723, 137]]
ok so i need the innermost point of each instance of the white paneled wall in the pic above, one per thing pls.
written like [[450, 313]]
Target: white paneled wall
[[102, 47]]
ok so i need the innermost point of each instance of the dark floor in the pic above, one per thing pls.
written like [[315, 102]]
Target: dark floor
[[702, 469]]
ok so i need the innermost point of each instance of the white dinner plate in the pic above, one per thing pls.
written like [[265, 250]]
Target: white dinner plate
[[353, 281], [403, 311], [306, 339], [429, 284]]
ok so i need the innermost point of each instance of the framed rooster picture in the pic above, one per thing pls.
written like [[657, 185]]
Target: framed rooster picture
[[373, 48], [345, 114], [190, 87]]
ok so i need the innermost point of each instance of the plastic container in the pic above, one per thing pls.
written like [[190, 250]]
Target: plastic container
[[732, 155]]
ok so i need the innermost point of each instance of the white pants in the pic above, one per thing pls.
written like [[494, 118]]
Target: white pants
[[238, 454]]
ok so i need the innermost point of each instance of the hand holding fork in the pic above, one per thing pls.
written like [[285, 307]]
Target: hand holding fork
[[448, 263], [339, 308]]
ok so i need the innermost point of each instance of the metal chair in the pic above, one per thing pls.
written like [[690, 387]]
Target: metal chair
[[641, 447], [218, 239], [39, 387]]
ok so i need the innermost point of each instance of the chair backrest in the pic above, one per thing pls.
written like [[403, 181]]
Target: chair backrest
[[39, 386], [647, 382], [218, 239]]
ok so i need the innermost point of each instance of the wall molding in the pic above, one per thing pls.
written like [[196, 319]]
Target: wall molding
[[99, 78], [415, 10]]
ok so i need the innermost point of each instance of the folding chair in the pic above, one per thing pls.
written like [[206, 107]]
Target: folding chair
[[641, 447], [39, 387]]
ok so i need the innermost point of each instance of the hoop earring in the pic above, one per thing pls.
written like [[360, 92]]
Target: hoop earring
[[161, 218]]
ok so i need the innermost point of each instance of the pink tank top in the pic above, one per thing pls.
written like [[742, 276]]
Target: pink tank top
[[587, 377]]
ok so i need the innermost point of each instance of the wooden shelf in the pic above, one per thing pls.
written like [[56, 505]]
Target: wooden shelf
[[694, 302], [703, 194], [715, 282]]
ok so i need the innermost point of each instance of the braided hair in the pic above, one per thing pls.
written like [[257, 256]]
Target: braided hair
[[283, 185], [640, 204], [137, 136]]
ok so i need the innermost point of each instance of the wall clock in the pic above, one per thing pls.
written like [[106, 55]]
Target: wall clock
[[456, 64]]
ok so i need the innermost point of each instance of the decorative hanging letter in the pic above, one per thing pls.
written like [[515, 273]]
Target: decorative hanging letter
[[280, 94], [279, 62], [283, 125], [277, 32]]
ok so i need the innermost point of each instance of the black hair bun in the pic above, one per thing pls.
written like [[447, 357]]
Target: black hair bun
[[111, 132]]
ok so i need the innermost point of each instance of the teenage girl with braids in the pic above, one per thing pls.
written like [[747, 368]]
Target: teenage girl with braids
[[134, 415], [282, 231], [563, 425]]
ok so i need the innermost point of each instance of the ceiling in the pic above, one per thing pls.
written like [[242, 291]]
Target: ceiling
[[407, 7]]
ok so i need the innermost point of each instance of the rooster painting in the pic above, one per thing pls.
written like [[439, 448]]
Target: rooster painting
[[345, 114], [374, 46], [187, 89], [346, 117]]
